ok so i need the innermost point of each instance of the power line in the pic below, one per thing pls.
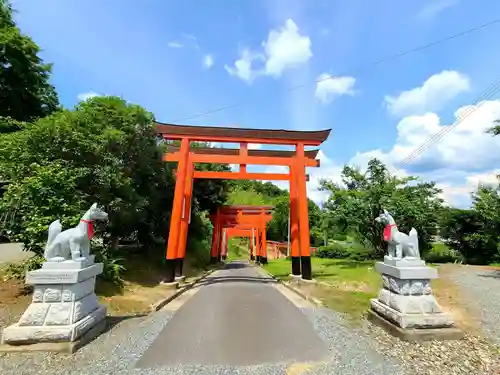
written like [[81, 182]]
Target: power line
[[487, 94], [361, 67]]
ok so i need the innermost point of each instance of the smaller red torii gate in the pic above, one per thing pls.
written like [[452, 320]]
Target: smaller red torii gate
[[245, 221]]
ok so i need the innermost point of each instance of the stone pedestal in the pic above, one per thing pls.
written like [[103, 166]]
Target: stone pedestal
[[406, 301], [64, 306]]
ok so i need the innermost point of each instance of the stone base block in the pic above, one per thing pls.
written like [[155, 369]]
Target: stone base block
[[406, 273], [295, 276], [67, 347], [69, 264], [17, 334], [415, 335], [405, 262], [72, 275], [172, 285], [417, 321]]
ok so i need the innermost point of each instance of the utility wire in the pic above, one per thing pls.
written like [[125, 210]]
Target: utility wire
[[361, 67]]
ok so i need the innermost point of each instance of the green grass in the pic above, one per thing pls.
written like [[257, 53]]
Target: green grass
[[237, 249], [331, 270], [347, 285]]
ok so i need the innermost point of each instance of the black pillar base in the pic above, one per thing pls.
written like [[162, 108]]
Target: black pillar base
[[223, 258], [170, 271], [296, 266], [263, 260], [252, 257], [306, 268], [257, 259], [213, 260], [178, 267]]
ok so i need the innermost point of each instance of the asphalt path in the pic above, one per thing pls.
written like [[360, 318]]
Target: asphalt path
[[237, 317], [13, 252]]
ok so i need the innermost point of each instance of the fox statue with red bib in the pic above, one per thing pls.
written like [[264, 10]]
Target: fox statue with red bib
[[399, 245], [72, 243]]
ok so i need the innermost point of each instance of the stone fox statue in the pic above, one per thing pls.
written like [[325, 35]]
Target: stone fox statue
[[399, 245], [73, 243]]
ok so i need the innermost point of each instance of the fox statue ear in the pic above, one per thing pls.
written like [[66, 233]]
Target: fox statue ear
[[385, 212], [94, 205]]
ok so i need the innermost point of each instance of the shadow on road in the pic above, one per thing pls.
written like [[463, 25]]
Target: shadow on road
[[493, 274], [236, 265], [237, 279]]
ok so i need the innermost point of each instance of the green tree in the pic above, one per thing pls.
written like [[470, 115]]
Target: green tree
[[103, 151], [475, 232], [354, 205], [25, 90]]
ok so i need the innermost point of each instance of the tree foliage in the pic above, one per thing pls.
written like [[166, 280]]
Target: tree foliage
[[354, 205], [103, 151], [25, 90], [475, 232]]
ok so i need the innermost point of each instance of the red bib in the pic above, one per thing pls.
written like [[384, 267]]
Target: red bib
[[90, 228], [387, 231]]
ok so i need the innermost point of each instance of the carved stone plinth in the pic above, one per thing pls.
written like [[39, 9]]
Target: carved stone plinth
[[64, 305], [406, 298]]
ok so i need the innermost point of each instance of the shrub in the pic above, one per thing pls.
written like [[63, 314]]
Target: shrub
[[359, 252], [334, 250], [18, 270], [440, 253]]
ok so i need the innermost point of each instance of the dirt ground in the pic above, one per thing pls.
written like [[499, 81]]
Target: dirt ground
[[134, 300], [14, 298], [452, 300]]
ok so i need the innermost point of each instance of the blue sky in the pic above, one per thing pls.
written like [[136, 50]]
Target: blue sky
[[177, 59]]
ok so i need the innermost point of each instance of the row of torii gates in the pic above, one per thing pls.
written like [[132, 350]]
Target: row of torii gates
[[188, 155], [240, 221]]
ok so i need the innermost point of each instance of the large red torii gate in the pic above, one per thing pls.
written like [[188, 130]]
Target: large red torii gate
[[246, 221], [186, 156]]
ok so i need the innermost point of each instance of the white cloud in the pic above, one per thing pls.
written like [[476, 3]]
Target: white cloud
[[328, 89], [459, 195], [434, 7], [254, 146], [243, 66], [87, 95], [435, 92], [207, 61], [285, 48], [463, 157], [174, 44]]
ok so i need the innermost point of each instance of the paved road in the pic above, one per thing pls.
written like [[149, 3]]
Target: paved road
[[12, 252], [237, 318]]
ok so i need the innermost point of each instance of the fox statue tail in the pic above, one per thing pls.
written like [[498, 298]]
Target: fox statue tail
[[54, 229], [413, 236]]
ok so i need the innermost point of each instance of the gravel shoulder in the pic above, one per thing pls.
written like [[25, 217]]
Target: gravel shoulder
[[480, 287]]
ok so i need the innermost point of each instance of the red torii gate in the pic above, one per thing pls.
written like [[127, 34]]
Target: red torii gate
[[244, 221], [187, 155]]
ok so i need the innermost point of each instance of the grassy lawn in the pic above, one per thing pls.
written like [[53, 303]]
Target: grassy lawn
[[346, 286]]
